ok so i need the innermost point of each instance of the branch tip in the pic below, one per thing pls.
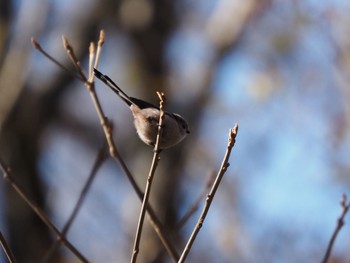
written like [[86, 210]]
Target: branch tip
[[233, 134], [161, 96], [234, 130], [92, 47], [343, 200], [35, 43], [101, 38], [65, 42]]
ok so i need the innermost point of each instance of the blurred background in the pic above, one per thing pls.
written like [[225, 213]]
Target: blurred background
[[278, 68]]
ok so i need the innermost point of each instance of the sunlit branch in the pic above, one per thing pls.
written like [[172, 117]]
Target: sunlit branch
[[153, 168], [210, 196]]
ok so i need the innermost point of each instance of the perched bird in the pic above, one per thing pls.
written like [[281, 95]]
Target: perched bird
[[146, 118]]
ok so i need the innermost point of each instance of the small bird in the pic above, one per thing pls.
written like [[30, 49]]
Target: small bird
[[146, 118]]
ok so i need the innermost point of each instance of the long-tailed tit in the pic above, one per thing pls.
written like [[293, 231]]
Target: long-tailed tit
[[146, 118]]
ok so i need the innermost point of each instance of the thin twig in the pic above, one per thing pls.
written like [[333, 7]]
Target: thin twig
[[100, 158], [7, 250], [100, 43], [92, 53], [74, 59], [195, 205], [225, 164], [38, 47], [149, 179], [8, 177], [345, 205], [107, 128]]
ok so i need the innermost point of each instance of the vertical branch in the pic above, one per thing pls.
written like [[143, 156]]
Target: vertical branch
[[100, 42], [94, 55], [225, 164], [7, 250], [8, 177], [345, 205], [149, 180], [91, 60]]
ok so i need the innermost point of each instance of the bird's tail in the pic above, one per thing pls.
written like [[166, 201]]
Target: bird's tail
[[105, 79]]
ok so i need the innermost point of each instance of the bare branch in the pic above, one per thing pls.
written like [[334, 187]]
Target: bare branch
[[95, 55], [74, 59], [154, 165], [38, 47], [8, 177], [225, 164], [7, 250], [92, 53], [345, 205], [99, 47]]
